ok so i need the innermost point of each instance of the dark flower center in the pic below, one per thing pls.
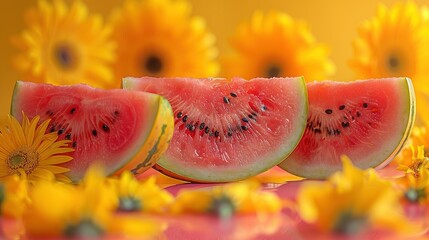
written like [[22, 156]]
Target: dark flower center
[[393, 63], [129, 204], [23, 159], [65, 56], [413, 195], [2, 195], [223, 207], [153, 64], [85, 228], [349, 224], [273, 71]]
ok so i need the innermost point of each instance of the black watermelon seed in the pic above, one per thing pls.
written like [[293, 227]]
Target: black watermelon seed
[[245, 120], [94, 132], [226, 99], [254, 114], [233, 94], [72, 110], [68, 136], [345, 124], [106, 128], [185, 118], [342, 107], [52, 129], [116, 113], [74, 144], [202, 125], [365, 105], [244, 127], [216, 134], [251, 116], [328, 111], [207, 130], [60, 131], [317, 130], [191, 127], [337, 132], [229, 134], [179, 114], [264, 108], [358, 114]]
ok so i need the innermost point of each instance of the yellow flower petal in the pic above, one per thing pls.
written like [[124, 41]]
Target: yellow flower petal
[[61, 43], [272, 44], [25, 150], [161, 38]]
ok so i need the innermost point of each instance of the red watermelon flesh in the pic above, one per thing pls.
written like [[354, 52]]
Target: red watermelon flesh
[[109, 127], [367, 120], [228, 130]]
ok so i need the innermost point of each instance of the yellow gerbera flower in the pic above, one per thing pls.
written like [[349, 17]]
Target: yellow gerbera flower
[[362, 201], [65, 45], [25, 149], [396, 43], [160, 38], [134, 195], [415, 183], [53, 206], [14, 196], [83, 211], [273, 44], [416, 186], [226, 200], [419, 137], [416, 162]]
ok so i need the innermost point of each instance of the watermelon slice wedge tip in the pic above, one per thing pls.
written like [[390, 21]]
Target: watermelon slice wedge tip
[[367, 120], [119, 129]]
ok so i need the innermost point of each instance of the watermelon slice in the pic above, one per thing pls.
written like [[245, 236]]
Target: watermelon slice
[[228, 130], [367, 120], [122, 130]]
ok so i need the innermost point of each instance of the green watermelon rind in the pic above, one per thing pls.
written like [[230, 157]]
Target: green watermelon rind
[[409, 128], [205, 174], [155, 102]]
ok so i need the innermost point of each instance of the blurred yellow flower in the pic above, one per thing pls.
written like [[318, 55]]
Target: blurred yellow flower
[[14, 196], [416, 162], [73, 211], [274, 45], [416, 186], [419, 137], [362, 201], [161, 38], [83, 211], [415, 183], [135, 195], [25, 149], [53, 206], [226, 200], [396, 43], [65, 45]]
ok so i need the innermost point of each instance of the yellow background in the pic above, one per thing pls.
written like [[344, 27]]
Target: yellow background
[[333, 22]]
